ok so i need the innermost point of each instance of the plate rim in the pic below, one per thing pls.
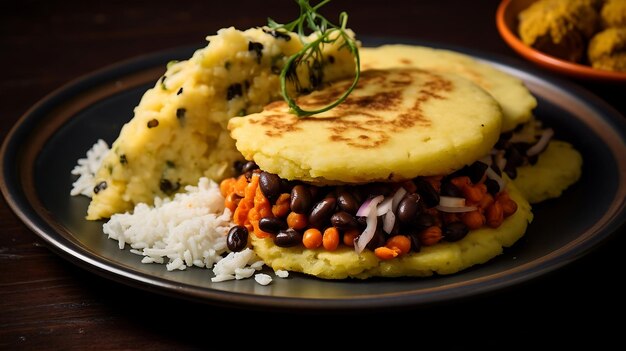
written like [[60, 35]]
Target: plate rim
[[82, 256]]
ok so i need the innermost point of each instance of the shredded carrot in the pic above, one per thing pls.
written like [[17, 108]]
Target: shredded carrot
[[281, 207], [227, 186], [240, 186], [262, 204]]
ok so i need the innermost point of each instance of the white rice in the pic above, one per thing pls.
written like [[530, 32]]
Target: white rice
[[263, 279], [234, 266], [281, 273], [188, 230], [87, 168]]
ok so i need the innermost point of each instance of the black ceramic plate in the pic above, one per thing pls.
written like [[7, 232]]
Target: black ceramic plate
[[40, 151]]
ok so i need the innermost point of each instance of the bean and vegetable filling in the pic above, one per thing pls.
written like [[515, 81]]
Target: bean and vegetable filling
[[390, 219]]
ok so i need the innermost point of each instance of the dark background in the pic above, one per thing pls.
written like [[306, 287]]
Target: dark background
[[46, 302]]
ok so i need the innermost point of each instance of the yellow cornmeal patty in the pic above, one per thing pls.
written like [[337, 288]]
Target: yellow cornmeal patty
[[558, 167], [397, 124], [479, 246], [516, 101]]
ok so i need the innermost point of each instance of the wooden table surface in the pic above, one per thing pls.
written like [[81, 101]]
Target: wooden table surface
[[47, 302]]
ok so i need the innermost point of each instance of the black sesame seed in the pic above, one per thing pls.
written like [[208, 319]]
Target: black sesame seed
[[257, 48], [180, 91], [153, 123], [331, 59], [233, 91], [99, 187], [167, 187], [278, 35], [180, 113], [123, 159]]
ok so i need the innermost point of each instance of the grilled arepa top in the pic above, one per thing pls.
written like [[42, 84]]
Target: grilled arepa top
[[516, 101], [397, 124]]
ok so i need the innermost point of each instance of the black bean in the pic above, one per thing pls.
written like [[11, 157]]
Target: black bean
[[300, 201], [237, 166], [492, 186], [408, 208], [249, 166], [237, 238], [514, 157], [272, 225], [288, 238], [270, 186], [449, 189], [99, 187], [454, 231], [428, 194], [347, 202], [343, 221], [321, 212], [424, 220], [476, 171]]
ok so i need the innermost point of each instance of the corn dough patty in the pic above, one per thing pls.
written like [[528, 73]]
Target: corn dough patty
[[558, 167], [397, 124], [479, 246], [516, 101]]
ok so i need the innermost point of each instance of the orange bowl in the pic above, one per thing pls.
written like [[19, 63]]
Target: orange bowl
[[507, 23]]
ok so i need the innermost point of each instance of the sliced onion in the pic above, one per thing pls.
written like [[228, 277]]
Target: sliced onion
[[365, 208], [384, 206], [541, 145], [500, 160], [370, 228], [389, 221], [458, 209], [491, 174], [397, 197], [449, 201]]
